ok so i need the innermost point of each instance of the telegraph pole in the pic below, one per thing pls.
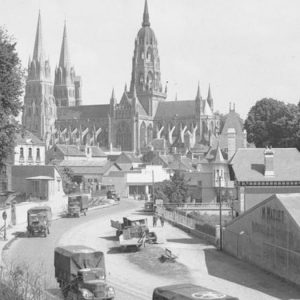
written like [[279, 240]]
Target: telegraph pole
[[220, 209]]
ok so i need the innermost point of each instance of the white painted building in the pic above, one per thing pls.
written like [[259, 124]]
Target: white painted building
[[29, 150]]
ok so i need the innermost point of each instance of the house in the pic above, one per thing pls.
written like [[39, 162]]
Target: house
[[268, 234], [260, 172], [29, 150], [137, 182], [128, 161], [37, 182]]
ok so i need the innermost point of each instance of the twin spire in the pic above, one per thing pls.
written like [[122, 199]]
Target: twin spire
[[38, 51]]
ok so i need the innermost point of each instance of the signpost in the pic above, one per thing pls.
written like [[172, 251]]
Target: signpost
[[4, 217]]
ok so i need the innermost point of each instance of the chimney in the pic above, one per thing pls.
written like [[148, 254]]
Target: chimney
[[231, 141], [269, 161]]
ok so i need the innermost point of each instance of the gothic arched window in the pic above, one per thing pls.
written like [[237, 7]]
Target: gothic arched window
[[124, 136], [143, 135]]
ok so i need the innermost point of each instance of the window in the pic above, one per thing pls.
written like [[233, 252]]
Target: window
[[30, 154], [38, 156], [21, 153]]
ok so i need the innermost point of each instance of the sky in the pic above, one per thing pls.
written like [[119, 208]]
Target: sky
[[245, 49]]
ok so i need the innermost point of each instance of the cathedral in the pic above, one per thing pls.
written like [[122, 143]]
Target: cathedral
[[140, 120]]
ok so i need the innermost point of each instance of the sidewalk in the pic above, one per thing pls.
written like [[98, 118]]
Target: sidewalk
[[12, 229]]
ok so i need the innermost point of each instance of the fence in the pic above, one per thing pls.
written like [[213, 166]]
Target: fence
[[192, 225]]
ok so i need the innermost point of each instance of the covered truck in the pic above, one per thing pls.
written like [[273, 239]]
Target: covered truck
[[77, 204], [80, 273], [39, 220], [188, 291]]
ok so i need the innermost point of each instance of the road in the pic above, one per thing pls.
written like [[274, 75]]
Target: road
[[37, 253], [132, 281]]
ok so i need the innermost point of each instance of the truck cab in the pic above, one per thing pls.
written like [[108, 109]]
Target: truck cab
[[39, 220], [77, 204]]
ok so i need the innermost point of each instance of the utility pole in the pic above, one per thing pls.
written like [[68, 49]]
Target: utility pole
[[220, 208]]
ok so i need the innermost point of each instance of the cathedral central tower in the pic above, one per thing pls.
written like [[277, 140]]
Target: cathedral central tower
[[146, 77]]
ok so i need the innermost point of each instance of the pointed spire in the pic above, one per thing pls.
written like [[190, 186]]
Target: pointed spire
[[64, 59], [198, 96], [113, 94], [146, 21], [38, 51], [209, 97], [219, 158]]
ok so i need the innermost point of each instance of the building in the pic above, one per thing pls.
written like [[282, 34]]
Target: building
[[29, 150], [258, 173], [54, 111], [268, 235]]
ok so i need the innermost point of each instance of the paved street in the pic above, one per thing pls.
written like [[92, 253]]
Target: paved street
[[205, 265]]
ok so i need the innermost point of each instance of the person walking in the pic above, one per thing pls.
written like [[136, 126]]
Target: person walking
[[162, 220]]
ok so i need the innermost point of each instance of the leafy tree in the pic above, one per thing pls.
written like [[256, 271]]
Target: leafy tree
[[174, 190], [272, 122], [11, 89]]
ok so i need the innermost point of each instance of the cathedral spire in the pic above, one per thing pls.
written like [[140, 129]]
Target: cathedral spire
[[38, 51], [198, 96], [146, 21], [210, 99], [209, 93], [64, 60]]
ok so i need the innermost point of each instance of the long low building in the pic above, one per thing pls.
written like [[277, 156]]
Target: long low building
[[268, 235]]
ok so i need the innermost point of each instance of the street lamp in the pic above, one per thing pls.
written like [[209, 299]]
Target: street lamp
[[220, 208]]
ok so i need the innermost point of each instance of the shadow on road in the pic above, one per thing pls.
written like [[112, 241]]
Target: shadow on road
[[222, 265], [120, 250], [184, 241], [20, 234]]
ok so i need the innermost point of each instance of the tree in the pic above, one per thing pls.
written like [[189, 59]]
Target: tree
[[174, 190], [272, 122], [11, 89]]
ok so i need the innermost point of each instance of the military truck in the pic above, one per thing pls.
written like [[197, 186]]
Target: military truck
[[39, 220], [77, 204], [188, 292], [80, 273]]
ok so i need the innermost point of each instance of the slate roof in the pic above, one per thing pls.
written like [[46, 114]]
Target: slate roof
[[97, 152], [168, 109], [127, 157], [27, 171], [81, 163], [248, 164], [27, 137], [83, 112], [70, 150]]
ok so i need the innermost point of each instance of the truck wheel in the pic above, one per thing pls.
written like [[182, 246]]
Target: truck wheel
[[84, 212]]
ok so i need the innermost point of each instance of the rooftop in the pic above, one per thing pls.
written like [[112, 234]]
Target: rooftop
[[248, 164]]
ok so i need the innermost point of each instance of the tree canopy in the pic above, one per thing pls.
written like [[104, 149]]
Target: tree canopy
[[172, 191], [11, 89], [272, 122]]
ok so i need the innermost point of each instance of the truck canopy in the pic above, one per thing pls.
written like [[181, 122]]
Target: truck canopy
[[68, 260], [188, 292], [40, 210], [82, 200]]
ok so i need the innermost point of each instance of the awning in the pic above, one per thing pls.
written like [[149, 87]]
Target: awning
[[40, 178]]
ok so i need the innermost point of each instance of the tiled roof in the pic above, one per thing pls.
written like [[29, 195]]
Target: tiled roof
[[81, 163], [170, 109], [30, 171], [248, 164], [128, 157], [27, 137], [83, 112], [70, 150]]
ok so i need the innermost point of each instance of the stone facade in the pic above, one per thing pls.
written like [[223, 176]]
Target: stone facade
[[140, 117]]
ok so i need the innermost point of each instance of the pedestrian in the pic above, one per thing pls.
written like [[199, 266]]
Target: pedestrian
[[162, 220], [154, 220]]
